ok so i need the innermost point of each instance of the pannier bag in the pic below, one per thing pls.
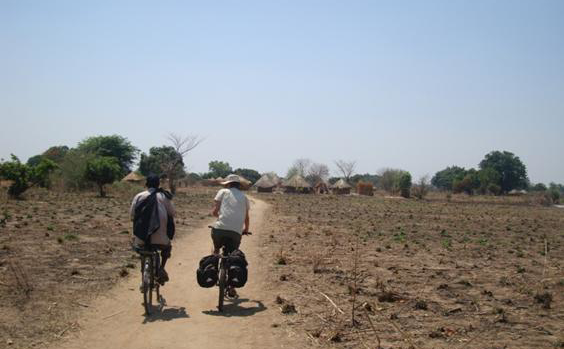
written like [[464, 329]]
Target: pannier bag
[[207, 271], [237, 272]]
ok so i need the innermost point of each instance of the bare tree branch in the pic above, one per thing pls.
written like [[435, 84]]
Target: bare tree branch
[[182, 146], [346, 168]]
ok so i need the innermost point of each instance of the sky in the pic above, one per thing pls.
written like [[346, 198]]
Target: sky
[[416, 85]]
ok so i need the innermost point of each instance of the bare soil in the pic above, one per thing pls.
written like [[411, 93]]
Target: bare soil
[[58, 251], [467, 272]]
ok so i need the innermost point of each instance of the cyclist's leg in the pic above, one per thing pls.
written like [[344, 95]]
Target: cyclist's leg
[[218, 238], [233, 241]]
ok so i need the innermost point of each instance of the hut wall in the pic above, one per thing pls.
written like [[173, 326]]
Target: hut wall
[[264, 190]]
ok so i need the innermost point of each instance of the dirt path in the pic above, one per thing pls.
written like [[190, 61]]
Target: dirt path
[[190, 319]]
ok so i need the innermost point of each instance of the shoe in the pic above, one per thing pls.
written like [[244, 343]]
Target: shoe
[[232, 293], [162, 277]]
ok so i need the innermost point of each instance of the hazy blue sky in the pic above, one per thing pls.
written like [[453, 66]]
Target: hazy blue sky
[[417, 85]]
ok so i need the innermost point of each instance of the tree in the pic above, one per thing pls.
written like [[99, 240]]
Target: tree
[[299, 167], [219, 169], [72, 170], [317, 173], [34, 160], [444, 179], [24, 176], [539, 187], [346, 168], [389, 180], [489, 179], [155, 162], [56, 153], [175, 164], [422, 188], [249, 174], [404, 184], [111, 146], [103, 170], [512, 170], [468, 184]]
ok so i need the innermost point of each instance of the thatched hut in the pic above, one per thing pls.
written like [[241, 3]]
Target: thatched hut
[[321, 187], [245, 183], [297, 184], [364, 188], [265, 184], [135, 178], [341, 187]]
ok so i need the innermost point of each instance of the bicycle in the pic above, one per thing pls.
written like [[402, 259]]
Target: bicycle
[[222, 280], [149, 266]]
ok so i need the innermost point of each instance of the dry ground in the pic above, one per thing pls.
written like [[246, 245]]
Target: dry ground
[[465, 273], [59, 251]]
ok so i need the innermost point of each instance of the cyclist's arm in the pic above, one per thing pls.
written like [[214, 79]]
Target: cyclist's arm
[[216, 208], [246, 227]]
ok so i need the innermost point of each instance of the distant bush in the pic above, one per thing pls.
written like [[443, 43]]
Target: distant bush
[[404, 184], [24, 176], [72, 170], [554, 195], [494, 189], [421, 189]]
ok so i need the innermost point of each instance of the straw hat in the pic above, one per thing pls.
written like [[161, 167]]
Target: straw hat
[[232, 178]]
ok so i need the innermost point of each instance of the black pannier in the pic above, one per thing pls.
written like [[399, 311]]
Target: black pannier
[[207, 271], [237, 272]]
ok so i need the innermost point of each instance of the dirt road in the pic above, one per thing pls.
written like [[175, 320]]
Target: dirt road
[[190, 319]]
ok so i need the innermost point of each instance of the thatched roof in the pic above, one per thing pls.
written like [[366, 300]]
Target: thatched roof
[[297, 181], [273, 177], [265, 182], [341, 184], [133, 177]]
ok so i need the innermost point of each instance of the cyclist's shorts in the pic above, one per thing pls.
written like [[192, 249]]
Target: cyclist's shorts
[[230, 239]]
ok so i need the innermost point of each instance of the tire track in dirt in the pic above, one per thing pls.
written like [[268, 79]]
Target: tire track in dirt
[[190, 319]]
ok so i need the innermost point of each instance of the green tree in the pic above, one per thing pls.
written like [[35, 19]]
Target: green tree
[[103, 170], [389, 180], [486, 178], [404, 184], [24, 176], [159, 160], [251, 175], [34, 160], [56, 153], [72, 170], [219, 169], [539, 187], [512, 170], [111, 146], [444, 179]]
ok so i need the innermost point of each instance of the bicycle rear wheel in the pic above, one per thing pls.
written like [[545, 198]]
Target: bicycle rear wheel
[[148, 279], [222, 284]]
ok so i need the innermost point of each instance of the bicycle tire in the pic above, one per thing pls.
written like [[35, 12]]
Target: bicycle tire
[[148, 287], [222, 284]]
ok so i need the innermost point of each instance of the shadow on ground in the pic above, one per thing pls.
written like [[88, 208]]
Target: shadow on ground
[[237, 307], [166, 314]]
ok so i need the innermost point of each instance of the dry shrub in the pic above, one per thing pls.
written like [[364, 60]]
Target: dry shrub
[[364, 188]]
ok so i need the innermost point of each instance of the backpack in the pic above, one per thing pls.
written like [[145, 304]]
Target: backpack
[[237, 273], [146, 218], [207, 271]]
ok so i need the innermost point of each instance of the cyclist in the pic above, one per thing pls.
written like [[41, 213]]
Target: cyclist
[[161, 218], [232, 209]]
